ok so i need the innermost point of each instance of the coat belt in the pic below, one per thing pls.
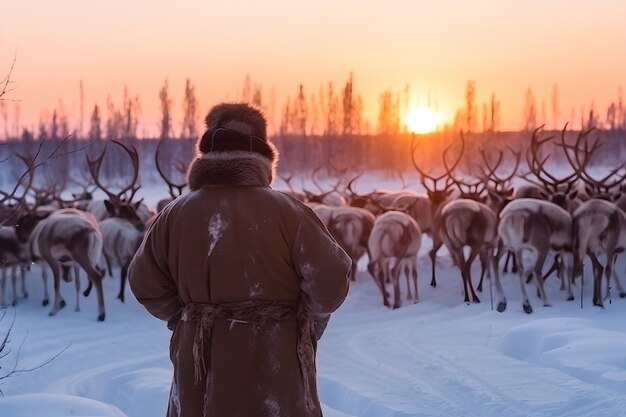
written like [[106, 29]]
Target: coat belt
[[258, 312]]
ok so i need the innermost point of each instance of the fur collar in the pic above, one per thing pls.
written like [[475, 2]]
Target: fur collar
[[232, 168]]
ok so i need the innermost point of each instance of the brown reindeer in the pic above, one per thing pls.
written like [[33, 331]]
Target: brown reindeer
[[437, 196], [466, 222]]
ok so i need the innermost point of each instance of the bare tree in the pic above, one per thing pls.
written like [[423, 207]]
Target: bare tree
[[530, 111], [190, 112], [611, 118], [494, 113], [470, 105], [348, 106], [331, 114], [132, 110], [114, 121], [95, 129], [388, 113], [301, 112], [166, 111], [555, 105]]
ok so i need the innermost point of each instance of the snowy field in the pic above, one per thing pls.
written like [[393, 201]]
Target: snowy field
[[439, 357]]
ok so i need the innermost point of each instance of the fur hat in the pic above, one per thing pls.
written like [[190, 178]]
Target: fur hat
[[236, 127], [235, 149]]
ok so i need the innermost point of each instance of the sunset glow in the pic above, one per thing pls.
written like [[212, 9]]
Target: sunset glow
[[506, 47], [421, 120]]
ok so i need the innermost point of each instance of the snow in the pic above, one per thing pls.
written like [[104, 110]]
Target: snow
[[439, 357]]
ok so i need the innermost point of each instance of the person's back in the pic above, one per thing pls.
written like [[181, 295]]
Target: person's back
[[245, 276]]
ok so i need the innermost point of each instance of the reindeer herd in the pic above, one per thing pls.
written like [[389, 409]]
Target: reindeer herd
[[530, 217], [66, 235]]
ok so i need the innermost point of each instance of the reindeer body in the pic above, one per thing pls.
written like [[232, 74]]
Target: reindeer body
[[464, 222], [120, 242], [599, 227], [393, 246], [531, 229], [351, 227], [70, 237]]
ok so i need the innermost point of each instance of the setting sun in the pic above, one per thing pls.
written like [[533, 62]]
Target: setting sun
[[421, 120]]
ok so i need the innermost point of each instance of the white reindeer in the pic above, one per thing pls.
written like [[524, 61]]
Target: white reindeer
[[70, 237], [599, 228], [393, 245], [121, 239], [531, 229], [351, 227]]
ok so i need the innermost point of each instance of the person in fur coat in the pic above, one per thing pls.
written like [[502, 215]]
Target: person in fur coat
[[245, 276]]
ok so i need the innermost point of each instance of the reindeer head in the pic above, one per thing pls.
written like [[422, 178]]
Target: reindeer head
[[120, 204]]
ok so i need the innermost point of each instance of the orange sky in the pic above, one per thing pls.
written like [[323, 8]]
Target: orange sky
[[505, 46]]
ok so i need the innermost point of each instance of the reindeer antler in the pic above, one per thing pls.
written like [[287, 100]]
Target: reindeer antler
[[175, 189], [94, 168]]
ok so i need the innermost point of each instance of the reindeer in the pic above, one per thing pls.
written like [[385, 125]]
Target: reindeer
[[599, 227], [437, 196], [13, 257], [563, 191], [69, 237], [351, 227], [175, 189], [125, 224], [121, 240], [466, 222], [534, 228], [393, 246]]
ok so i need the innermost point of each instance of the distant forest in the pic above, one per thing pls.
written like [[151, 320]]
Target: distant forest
[[328, 156], [323, 132]]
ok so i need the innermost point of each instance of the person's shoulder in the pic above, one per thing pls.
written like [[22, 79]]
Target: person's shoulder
[[288, 200]]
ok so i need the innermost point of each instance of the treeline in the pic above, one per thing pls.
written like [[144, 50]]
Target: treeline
[[301, 155], [329, 110]]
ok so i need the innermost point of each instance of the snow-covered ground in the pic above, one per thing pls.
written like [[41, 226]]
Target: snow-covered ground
[[439, 357]]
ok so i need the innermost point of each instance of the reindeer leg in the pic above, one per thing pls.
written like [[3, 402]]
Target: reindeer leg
[[108, 265], [483, 269], [494, 277], [384, 277], [82, 258], [622, 293], [433, 259], [468, 269], [413, 270], [567, 270], [526, 302], [554, 267], [395, 278], [598, 270], [56, 273], [541, 259], [77, 284], [3, 281], [123, 275], [44, 277], [23, 277], [88, 289], [407, 275], [14, 283]]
